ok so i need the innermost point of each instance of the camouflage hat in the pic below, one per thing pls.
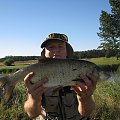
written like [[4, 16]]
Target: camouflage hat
[[61, 37]]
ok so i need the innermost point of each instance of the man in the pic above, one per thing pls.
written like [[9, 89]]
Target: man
[[70, 102]]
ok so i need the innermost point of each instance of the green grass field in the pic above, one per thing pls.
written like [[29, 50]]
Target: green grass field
[[104, 61], [18, 64], [106, 96]]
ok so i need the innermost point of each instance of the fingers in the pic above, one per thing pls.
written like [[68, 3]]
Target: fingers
[[86, 87], [93, 79], [28, 83], [35, 90], [38, 85], [28, 78], [88, 81]]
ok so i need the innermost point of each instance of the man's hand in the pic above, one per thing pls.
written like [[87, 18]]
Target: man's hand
[[87, 87], [33, 104], [84, 91], [35, 90]]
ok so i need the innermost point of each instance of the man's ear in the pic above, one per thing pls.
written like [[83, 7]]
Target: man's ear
[[43, 53]]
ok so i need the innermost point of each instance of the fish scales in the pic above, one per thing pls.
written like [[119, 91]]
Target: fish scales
[[62, 72]]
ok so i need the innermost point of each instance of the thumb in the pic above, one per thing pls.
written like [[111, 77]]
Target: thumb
[[27, 79]]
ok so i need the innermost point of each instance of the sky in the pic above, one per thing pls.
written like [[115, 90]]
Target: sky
[[24, 24]]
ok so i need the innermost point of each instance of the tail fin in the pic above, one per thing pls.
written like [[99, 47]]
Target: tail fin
[[6, 88]]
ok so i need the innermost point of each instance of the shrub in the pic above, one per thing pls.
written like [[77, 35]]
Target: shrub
[[8, 62]]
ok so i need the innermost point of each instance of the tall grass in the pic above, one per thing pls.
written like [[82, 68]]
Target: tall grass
[[13, 109], [107, 98]]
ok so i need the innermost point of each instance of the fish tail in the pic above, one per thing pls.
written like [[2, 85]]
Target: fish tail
[[6, 88]]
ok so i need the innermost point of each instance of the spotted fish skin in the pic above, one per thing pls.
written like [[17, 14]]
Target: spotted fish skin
[[64, 72], [60, 72]]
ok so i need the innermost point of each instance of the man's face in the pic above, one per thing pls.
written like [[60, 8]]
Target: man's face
[[56, 49]]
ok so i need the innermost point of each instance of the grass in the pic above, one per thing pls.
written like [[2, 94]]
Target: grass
[[106, 96], [17, 64], [104, 61], [13, 110]]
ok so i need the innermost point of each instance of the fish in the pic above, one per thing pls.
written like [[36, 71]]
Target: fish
[[60, 72]]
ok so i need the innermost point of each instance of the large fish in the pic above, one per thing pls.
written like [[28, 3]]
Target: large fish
[[60, 72]]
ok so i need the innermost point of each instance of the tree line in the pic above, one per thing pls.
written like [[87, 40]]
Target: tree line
[[20, 58], [95, 53], [90, 54]]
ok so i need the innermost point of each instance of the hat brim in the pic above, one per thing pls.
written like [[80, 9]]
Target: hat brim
[[68, 46], [49, 39]]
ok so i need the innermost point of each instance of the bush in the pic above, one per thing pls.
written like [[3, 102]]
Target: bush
[[8, 62]]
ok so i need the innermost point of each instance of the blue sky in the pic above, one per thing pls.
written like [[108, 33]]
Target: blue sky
[[24, 24]]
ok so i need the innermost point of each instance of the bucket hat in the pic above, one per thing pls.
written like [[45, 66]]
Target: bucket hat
[[60, 37]]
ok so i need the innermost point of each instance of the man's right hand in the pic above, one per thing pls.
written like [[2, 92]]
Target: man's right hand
[[35, 90]]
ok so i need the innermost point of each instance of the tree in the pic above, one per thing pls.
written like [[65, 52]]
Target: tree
[[8, 62], [110, 29]]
